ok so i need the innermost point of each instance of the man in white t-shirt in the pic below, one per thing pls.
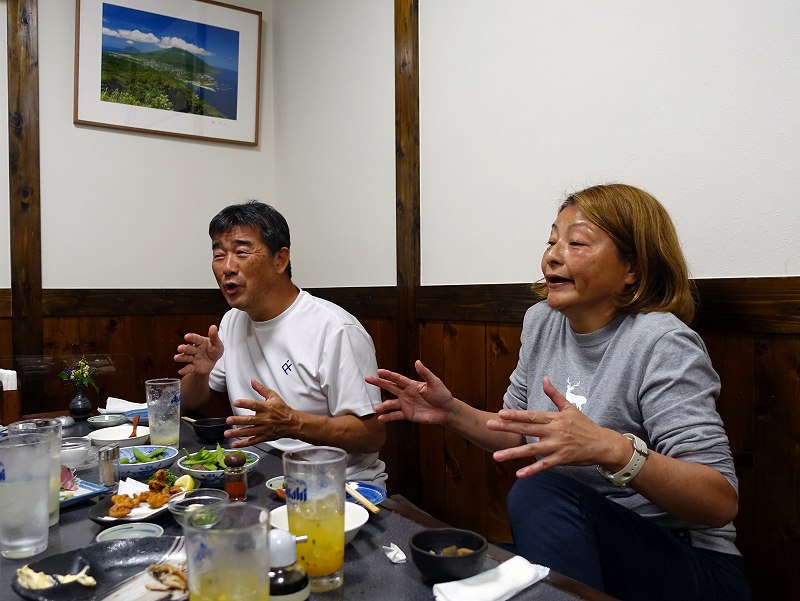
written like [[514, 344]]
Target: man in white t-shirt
[[292, 365]]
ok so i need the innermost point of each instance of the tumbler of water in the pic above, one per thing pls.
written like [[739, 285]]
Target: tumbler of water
[[50, 428]]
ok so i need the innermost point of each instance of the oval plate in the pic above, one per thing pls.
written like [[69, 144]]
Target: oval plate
[[372, 492], [115, 564], [142, 416]]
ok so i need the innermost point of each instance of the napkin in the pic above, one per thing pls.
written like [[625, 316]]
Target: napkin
[[131, 487], [115, 405], [497, 584], [394, 553], [8, 377]]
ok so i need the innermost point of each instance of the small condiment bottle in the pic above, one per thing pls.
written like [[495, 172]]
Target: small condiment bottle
[[287, 580], [108, 465], [235, 476]]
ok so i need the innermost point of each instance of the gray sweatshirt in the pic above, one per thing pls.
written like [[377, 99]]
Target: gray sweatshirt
[[648, 374]]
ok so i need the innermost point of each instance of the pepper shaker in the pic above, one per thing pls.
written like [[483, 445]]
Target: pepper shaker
[[108, 462]]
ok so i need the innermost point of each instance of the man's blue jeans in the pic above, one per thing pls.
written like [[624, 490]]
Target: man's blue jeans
[[563, 524]]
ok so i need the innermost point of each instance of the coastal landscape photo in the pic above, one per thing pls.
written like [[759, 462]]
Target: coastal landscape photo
[[161, 62]]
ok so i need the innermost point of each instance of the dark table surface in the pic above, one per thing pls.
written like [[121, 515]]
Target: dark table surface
[[368, 572]]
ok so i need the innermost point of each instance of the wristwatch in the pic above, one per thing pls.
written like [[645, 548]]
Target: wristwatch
[[628, 473]]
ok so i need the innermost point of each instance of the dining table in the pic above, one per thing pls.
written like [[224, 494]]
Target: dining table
[[368, 572]]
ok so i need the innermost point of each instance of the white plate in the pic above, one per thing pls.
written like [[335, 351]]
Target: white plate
[[119, 434], [99, 513]]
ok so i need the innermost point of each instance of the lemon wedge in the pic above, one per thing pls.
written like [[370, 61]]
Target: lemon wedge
[[186, 482]]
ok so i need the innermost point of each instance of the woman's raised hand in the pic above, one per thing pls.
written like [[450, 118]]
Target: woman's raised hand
[[426, 402], [565, 436]]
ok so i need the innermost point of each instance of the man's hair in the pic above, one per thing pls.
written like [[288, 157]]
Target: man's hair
[[272, 227], [644, 234]]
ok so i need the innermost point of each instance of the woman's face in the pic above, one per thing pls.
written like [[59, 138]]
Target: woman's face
[[583, 271]]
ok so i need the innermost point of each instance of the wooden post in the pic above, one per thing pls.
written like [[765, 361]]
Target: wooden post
[[406, 31], [24, 189]]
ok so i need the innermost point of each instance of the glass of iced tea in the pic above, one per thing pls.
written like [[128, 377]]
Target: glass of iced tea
[[315, 478], [227, 552]]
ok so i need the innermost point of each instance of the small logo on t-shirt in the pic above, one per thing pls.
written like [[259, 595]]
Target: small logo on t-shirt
[[575, 399], [287, 367]]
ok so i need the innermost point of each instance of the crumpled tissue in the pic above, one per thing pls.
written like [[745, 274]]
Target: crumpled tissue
[[394, 553], [497, 584]]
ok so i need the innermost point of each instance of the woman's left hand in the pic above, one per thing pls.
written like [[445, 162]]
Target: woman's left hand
[[566, 436]]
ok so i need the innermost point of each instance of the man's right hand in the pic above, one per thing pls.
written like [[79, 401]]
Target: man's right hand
[[200, 353]]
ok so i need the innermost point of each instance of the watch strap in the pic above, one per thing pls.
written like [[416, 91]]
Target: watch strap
[[634, 466]]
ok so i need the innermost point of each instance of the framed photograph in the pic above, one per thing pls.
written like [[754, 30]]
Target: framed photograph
[[189, 68]]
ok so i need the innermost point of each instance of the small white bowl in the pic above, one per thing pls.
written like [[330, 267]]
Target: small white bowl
[[355, 516], [74, 450], [132, 530], [119, 435], [106, 420]]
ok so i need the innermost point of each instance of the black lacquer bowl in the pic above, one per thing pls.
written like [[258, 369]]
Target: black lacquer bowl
[[427, 552]]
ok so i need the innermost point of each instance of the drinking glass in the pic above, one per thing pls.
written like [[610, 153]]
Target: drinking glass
[[24, 480], [51, 429], [164, 410], [227, 551], [315, 478]]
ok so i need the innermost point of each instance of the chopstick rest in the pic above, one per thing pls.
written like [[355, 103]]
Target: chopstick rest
[[361, 498]]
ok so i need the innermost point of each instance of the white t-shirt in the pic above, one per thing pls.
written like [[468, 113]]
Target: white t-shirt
[[315, 355]]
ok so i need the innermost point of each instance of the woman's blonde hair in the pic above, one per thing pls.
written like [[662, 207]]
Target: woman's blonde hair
[[645, 235]]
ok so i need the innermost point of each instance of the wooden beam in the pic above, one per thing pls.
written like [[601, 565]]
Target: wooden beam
[[23, 173], [406, 80], [362, 302], [406, 30]]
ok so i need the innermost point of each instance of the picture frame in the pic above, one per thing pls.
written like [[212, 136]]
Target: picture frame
[[186, 68]]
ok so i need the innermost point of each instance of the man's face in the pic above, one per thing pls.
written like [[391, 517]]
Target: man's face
[[246, 271]]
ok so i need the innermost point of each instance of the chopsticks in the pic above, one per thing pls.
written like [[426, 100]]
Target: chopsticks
[[361, 498]]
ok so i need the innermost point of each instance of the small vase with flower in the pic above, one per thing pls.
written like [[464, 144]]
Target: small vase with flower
[[80, 374]]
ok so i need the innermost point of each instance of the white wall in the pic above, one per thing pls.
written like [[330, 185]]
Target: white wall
[[334, 133], [521, 102], [131, 210]]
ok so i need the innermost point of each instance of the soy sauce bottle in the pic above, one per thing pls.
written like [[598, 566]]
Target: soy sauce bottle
[[235, 476], [287, 580]]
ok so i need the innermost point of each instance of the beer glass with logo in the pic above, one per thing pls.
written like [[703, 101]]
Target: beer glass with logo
[[315, 495]]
